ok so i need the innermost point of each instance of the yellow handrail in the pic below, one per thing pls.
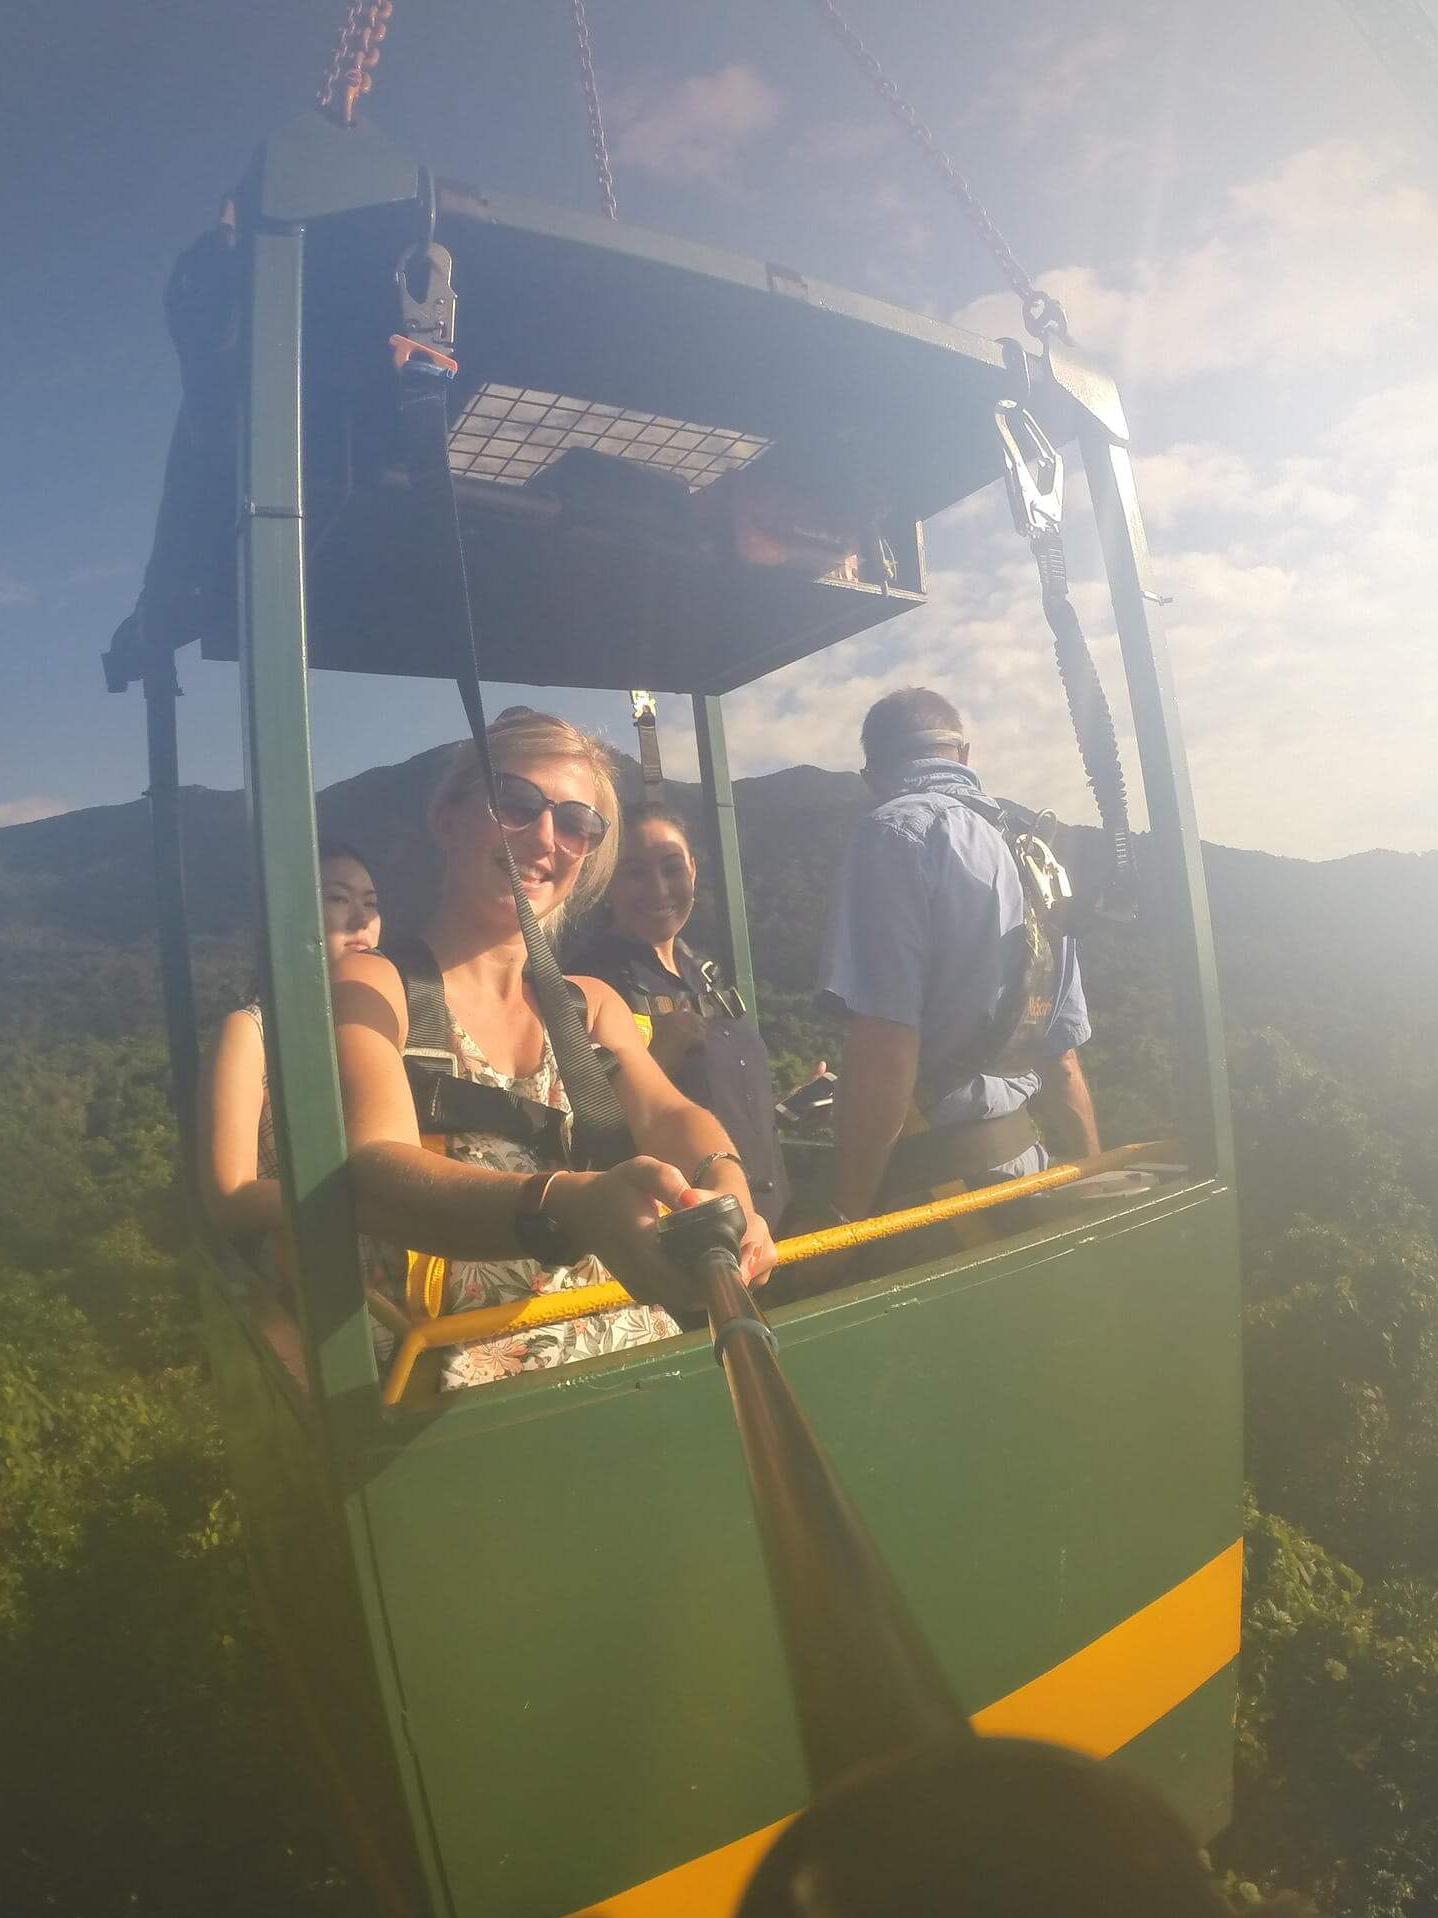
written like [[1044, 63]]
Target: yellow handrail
[[486, 1321]]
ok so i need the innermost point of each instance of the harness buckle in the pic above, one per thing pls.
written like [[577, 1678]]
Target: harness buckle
[[434, 1055], [1033, 471], [423, 277]]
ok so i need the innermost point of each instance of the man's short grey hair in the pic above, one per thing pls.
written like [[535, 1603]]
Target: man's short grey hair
[[912, 723]]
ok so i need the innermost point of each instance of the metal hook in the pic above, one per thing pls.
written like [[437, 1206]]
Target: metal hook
[[1034, 477], [427, 314]]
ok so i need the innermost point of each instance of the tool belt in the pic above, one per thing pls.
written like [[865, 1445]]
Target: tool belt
[[925, 1160]]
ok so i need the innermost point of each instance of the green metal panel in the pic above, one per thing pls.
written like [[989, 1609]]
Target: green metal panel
[[724, 840], [1177, 849], [167, 842], [314, 167], [303, 1078], [1043, 1440], [304, 1082], [1188, 1754]]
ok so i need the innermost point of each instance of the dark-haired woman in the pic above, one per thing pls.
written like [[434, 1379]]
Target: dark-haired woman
[[238, 1169], [707, 1043]]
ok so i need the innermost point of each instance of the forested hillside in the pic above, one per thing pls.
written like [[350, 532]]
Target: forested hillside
[[146, 1759]]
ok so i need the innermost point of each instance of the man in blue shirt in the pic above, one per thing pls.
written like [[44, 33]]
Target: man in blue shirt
[[927, 935]]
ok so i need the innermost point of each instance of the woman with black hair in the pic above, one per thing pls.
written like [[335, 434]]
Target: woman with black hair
[[699, 1031], [238, 1169]]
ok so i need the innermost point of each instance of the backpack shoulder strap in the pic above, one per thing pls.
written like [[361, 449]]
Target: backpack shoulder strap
[[423, 995], [1029, 998]]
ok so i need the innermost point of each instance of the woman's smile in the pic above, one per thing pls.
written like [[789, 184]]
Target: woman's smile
[[652, 893]]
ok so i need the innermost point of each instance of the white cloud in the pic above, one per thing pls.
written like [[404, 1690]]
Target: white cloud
[[982, 639], [1303, 270], [20, 812], [696, 130], [1300, 634], [1193, 477]]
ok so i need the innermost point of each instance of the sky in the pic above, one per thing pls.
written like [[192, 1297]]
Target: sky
[[1238, 205]]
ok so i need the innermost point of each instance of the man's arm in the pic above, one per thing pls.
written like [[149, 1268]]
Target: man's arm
[[876, 1088], [1064, 1107]]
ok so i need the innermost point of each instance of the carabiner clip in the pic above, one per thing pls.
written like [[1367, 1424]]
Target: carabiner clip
[[1033, 474], [426, 302]]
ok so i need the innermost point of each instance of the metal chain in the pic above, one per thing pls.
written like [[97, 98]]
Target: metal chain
[[1041, 310], [355, 58], [591, 102]]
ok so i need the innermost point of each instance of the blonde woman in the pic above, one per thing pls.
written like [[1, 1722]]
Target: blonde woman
[[508, 1215]]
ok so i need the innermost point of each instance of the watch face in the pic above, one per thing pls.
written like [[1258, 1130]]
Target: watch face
[[542, 1238]]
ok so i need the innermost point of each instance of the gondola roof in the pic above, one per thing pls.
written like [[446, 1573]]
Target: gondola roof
[[623, 399]]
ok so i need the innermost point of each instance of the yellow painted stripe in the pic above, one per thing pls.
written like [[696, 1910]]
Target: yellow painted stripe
[[1110, 1691], [707, 1887], [1096, 1701]]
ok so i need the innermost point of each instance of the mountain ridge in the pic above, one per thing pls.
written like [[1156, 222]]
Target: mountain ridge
[[76, 890]]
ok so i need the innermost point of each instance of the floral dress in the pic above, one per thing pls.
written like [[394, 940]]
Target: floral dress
[[478, 1282]]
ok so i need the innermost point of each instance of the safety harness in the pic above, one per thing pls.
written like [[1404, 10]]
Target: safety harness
[[712, 1000], [943, 1159], [1026, 1007], [447, 1101]]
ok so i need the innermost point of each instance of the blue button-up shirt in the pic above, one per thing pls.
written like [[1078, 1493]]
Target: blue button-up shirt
[[927, 922]]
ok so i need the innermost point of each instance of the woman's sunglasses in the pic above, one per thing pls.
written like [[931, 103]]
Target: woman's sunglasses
[[519, 803]]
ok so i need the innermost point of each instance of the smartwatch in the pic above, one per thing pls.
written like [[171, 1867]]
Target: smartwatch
[[541, 1236]]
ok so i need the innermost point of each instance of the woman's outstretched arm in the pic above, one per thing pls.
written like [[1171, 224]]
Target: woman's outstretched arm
[[232, 1096], [670, 1126]]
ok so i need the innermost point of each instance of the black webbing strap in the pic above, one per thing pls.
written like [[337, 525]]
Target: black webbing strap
[[601, 1132], [423, 994], [1034, 475], [445, 1100], [651, 767], [1089, 709]]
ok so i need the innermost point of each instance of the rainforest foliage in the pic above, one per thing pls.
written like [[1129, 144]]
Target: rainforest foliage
[[147, 1759]]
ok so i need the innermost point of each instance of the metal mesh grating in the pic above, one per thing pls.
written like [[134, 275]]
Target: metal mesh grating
[[510, 433]]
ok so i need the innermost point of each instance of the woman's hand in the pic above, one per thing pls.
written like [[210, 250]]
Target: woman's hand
[[614, 1214], [757, 1255]]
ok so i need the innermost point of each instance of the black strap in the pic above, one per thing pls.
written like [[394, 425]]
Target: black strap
[[650, 766], [601, 1132], [445, 1104], [423, 994], [445, 1100], [1092, 721]]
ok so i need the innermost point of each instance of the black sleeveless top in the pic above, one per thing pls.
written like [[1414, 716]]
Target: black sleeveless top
[[728, 1075]]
